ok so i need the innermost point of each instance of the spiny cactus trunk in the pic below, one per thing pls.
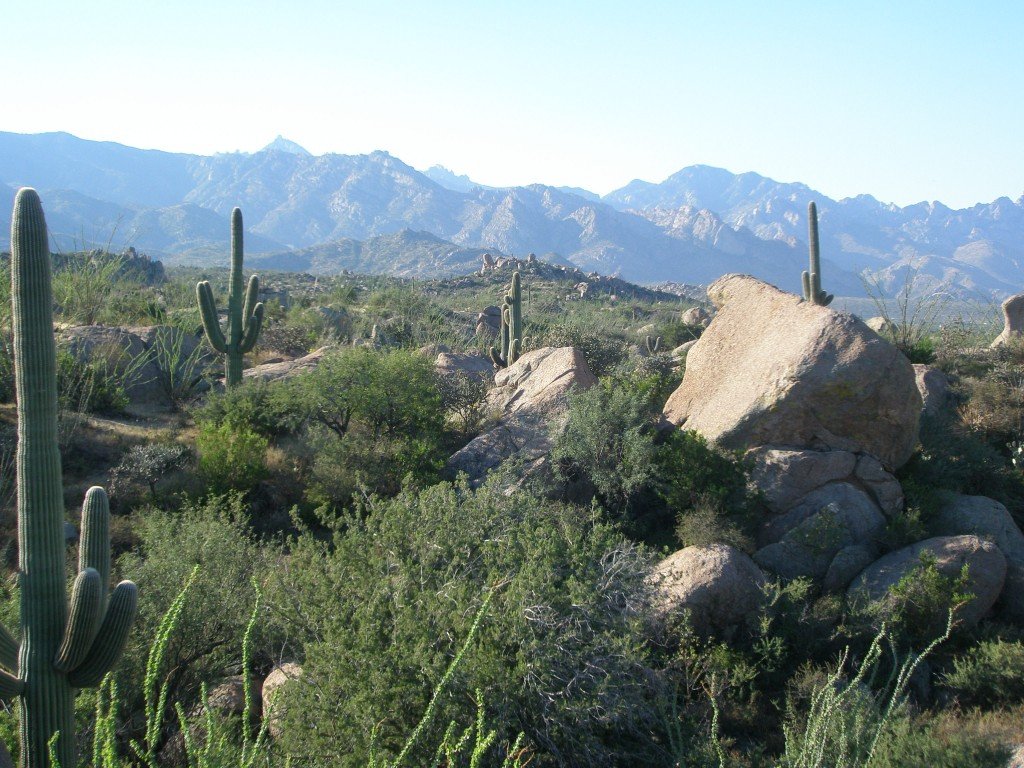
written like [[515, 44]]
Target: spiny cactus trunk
[[511, 326], [811, 279], [47, 705], [60, 649], [245, 316]]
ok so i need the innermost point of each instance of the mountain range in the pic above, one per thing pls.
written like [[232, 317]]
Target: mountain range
[[375, 213]]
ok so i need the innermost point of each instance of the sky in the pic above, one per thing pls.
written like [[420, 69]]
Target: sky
[[904, 100]]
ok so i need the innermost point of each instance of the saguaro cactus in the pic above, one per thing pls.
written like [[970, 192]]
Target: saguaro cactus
[[244, 319], [511, 326], [61, 648], [812, 280]]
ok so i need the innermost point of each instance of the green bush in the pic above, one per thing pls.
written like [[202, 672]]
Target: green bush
[[990, 674], [88, 387], [213, 535], [255, 404], [601, 352], [379, 612], [231, 457], [608, 443]]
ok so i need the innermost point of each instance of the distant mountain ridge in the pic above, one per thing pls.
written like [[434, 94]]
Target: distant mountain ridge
[[309, 210]]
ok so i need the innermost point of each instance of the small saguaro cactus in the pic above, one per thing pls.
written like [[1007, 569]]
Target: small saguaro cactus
[[511, 326], [244, 319], [653, 344], [812, 280], [62, 647]]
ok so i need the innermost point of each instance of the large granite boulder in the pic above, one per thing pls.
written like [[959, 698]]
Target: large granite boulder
[[805, 540], [986, 571], [456, 363], [1013, 321], [280, 676], [988, 519], [286, 369], [772, 369], [785, 476], [140, 354], [531, 398], [719, 586]]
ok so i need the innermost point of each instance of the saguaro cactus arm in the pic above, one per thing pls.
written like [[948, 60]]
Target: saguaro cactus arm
[[511, 326]]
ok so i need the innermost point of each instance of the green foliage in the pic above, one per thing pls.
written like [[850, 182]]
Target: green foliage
[[607, 443], [601, 353], [988, 675], [559, 657], [88, 387], [213, 536], [148, 465], [264, 407], [231, 457], [846, 720], [691, 472], [916, 608]]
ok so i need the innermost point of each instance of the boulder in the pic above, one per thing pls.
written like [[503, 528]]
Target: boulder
[[804, 541], [933, 385], [287, 369], [531, 398], [132, 352], [1013, 321], [785, 476], [773, 369], [281, 675], [680, 351], [988, 519], [880, 325], [848, 562], [718, 585], [696, 316], [986, 571], [448, 363]]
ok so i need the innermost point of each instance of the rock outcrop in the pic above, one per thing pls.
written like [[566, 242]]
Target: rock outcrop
[[719, 586], [772, 369], [1013, 321], [132, 351], [988, 519], [531, 399], [933, 385], [280, 676], [451, 363], [986, 571], [287, 368]]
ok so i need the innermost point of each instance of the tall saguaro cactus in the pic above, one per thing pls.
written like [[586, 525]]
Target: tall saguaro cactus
[[62, 647], [511, 326], [812, 280], [244, 319]]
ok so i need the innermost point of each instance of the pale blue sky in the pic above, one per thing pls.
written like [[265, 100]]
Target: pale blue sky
[[904, 100]]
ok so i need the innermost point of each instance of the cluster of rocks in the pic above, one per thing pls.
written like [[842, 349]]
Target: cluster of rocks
[[826, 411]]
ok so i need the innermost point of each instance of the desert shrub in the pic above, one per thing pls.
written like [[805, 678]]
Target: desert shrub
[[183, 367], [380, 611], [915, 742], [462, 396], [147, 465], [602, 353], [341, 468], [607, 443], [204, 648], [255, 404], [953, 460], [391, 393], [704, 523], [916, 609], [231, 457], [988, 675], [88, 387]]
